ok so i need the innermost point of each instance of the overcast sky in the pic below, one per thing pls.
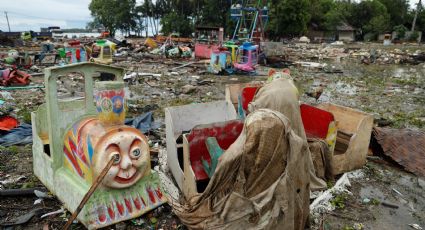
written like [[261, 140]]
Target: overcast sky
[[33, 14]]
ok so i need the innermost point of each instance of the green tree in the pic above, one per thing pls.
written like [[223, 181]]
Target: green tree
[[213, 13], [369, 16], [398, 10], [145, 13], [378, 24], [336, 16], [414, 36], [401, 31], [114, 14], [319, 10], [174, 22], [178, 17], [288, 17], [126, 15]]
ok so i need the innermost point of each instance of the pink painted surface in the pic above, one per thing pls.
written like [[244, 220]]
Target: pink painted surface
[[247, 67], [225, 132], [204, 50]]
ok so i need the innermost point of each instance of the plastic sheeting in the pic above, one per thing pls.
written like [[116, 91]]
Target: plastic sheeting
[[19, 136], [144, 122]]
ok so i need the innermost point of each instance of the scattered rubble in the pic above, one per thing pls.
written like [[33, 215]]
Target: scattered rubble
[[385, 81]]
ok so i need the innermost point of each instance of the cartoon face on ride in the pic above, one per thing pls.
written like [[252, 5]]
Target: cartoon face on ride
[[91, 143], [130, 152]]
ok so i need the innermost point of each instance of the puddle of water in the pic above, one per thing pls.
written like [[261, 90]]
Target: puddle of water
[[386, 217], [371, 192]]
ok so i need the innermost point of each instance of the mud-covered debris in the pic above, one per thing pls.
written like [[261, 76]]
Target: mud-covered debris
[[24, 218], [188, 89], [404, 146]]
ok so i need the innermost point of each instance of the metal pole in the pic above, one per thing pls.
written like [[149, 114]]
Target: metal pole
[[7, 20]]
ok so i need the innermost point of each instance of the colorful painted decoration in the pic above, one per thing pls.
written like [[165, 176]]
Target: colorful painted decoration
[[110, 103], [115, 205], [129, 188]]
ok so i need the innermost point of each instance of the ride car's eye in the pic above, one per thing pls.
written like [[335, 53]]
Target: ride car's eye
[[136, 153], [117, 158]]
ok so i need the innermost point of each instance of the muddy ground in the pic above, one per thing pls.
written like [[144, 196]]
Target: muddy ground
[[384, 197], [394, 94]]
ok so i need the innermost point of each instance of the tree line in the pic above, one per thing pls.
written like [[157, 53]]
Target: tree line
[[287, 18]]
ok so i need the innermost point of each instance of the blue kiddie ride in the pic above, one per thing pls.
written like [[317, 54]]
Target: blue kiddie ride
[[221, 62]]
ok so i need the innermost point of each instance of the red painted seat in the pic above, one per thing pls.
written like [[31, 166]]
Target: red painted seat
[[225, 132], [316, 121], [248, 94]]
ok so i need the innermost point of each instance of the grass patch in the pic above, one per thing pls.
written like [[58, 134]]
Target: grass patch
[[409, 81], [25, 115], [371, 171], [401, 119], [179, 102], [12, 149], [31, 183], [339, 200], [374, 201]]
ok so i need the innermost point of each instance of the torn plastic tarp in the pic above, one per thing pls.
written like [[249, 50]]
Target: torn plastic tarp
[[144, 122], [19, 136]]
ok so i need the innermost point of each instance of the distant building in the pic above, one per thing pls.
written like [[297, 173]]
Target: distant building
[[345, 32], [315, 33], [53, 28]]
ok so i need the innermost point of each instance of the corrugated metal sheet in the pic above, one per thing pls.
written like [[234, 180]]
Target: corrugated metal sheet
[[405, 146]]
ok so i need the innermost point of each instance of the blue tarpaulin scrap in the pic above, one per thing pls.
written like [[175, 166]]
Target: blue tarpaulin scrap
[[144, 122], [21, 135]]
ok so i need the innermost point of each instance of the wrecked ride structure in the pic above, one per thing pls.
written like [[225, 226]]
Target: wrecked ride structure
[[14, 77], [200, 121], [346, 131], [207, 39], [101, 52], [251, 17], [353, 131], [73, 140], [245, 62], [232, 47], [221, 62], [234, 173], [247, 58], [74, 52]]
